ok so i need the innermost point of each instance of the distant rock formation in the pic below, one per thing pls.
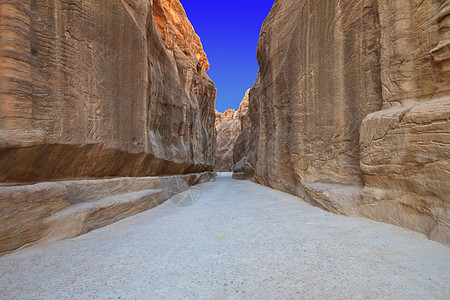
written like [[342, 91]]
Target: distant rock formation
[[351, 107], [229, 125], [92, 90], [101, 90], [228, 128]]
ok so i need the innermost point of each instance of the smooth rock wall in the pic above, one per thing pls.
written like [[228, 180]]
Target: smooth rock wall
[[315, 86], [91, 89], [405, 147], [350, 109]]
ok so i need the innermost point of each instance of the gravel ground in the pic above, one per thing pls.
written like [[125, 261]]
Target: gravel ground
[[233, 239]]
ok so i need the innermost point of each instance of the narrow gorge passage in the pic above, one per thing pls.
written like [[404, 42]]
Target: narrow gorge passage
[[238, 240]]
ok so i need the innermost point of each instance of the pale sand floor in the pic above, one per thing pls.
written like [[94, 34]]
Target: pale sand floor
[[239, 240]]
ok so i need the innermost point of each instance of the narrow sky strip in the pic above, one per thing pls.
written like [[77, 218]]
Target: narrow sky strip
[[229, 31]]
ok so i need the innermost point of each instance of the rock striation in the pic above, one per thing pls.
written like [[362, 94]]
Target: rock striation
[[97, 90], [52, 211], [228, 126], [351, 106], [94, 90]]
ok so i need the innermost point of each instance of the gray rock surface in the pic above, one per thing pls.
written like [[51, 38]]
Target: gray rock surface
[[243, 170]]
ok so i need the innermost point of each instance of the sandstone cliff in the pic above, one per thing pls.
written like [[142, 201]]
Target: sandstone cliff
[[228, 126], [90, 89], [351, 107], [97, 89]]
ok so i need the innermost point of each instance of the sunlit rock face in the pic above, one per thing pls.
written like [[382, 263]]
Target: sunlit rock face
[[92, 89], [351, 109], [228, 126], [111, 91], [405, 147], [316, 84]]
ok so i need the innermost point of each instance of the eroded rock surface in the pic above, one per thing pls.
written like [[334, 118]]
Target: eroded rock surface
[[228, 126], [90, 89], [52, 211], [405, 147], [93, 90], [350, 109]]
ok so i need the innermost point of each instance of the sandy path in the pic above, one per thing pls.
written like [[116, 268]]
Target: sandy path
[[240, 240]]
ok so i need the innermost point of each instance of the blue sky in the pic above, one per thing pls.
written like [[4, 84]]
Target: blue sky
[[229, 31]]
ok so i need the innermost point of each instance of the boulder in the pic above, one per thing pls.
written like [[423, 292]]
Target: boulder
[[242, 170]]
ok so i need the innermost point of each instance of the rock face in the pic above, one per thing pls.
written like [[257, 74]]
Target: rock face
[[228, 126], [351, 107], [93, 90], [90, 89], [45, 212], [405, 147]]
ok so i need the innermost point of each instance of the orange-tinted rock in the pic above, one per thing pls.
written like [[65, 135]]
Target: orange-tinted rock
[[176, 30], [91, 89], [350, 109]]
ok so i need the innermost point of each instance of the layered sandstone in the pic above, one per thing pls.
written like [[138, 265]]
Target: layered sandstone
[[97, 90], [405, 147], [350, 109], [51, 211], [177, 32], [229, 125], [90, 89], [228, 128]]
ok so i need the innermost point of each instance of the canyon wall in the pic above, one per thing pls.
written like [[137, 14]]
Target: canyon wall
[[229, 125], [350, 109], [102, 88], [111, 91]]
